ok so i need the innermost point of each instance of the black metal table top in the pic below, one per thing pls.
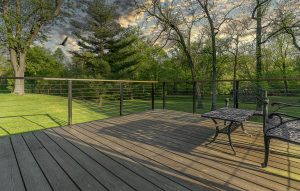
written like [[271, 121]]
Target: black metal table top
[[230, 114]]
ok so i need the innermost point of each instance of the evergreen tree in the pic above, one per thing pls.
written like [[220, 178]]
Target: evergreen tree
[[105, 45]]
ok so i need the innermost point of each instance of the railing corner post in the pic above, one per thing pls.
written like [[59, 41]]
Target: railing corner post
[[70, 108]]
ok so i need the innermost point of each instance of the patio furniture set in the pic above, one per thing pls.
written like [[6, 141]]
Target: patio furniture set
[[276, 125]]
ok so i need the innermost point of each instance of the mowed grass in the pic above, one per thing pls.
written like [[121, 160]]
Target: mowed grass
[[185, 103], [32, 112]]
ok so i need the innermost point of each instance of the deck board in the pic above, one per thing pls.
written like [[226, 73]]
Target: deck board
[[135, 175], [205, 167], [83, 179], [10, 175], [99, 172], [247, 174], [33, 176], [155, 150], [56, 176]]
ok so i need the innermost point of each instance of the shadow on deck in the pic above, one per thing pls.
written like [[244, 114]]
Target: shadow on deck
[[155, 150]]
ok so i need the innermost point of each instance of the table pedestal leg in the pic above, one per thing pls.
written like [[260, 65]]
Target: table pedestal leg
[[244, 130], [216, 133], [230, 142], [215, 137], [226, 130]]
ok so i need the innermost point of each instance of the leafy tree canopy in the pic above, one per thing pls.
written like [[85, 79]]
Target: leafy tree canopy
[[42, 63]]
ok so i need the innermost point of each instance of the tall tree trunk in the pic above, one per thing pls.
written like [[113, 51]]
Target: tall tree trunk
[[235, 54], [194, 78], [187, 52], [285, 76], [235, 67], [235, 71], [258, 55], [214, 74], [18, 60], [214, 56]]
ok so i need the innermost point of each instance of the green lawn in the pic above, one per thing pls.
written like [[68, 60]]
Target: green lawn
[[34, 111], [184, 103]]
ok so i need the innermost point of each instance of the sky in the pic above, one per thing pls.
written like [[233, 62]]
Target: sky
[[128, 18], [57, 33]]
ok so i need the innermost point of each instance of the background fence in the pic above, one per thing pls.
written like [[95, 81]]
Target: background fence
[[51, 102], [241, 93]]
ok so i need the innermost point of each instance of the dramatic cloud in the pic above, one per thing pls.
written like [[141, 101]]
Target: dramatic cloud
[[57, 33]]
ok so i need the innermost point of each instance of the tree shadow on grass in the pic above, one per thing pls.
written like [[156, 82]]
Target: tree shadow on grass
[[48, 119]]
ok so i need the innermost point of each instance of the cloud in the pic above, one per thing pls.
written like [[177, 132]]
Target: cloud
[[128, 17]]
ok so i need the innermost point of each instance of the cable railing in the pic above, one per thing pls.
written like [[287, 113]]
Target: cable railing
[[196, 97], [51, 102]]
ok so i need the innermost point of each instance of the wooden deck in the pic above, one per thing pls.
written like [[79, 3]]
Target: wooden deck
[[155, 150]]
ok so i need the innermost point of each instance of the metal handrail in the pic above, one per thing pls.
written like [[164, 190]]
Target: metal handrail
[[231, 80], [77, 79], [146, 81]]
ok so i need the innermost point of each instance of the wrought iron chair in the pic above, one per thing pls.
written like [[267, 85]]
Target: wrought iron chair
[[279, 126]]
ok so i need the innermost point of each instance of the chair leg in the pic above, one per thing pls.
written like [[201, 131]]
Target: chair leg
[[267, 151]]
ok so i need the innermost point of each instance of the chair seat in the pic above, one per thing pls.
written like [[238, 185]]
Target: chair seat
[[289, 131]]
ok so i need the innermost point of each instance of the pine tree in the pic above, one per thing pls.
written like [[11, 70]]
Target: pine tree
[[105, 45]]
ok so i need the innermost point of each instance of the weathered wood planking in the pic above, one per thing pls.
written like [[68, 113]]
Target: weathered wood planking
[[56, 176], [33, 176], [119, 165], [155, 150], [10, 177], [83, 179]]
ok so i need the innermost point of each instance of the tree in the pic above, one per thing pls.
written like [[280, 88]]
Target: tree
[[103, 42], [271, 21], [236, 32], [21, 23], [59, 55], [258, 14], [283, 46], [4, 66], [175, 22], [289, 21], [42, 63], [216, 17]]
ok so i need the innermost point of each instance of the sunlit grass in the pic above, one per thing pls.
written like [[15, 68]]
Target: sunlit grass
[[32, 112]]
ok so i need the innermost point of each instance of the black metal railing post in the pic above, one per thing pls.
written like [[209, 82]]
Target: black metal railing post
[[70, 108], [236, 94], [164, 95], [194, 96], [153, 95], [121, 98]]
